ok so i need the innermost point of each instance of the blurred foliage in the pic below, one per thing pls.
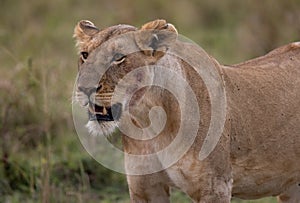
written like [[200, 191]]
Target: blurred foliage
[[41, 159]]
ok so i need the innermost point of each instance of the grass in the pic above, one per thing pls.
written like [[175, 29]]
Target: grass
[[41, 158]]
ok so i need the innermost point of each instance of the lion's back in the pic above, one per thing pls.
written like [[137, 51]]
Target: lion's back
[[264, 107], [289, 53]]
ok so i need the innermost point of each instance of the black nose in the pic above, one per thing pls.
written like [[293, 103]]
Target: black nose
[[116, 110], [87, 91]]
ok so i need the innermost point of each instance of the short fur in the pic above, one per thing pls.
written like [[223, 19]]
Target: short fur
[[258, 154]]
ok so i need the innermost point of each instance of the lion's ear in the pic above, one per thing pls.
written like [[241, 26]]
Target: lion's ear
[[84, 32], [155, 37]]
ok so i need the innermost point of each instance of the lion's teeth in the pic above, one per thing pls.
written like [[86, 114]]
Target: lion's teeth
[[91, 109], [104, 111]]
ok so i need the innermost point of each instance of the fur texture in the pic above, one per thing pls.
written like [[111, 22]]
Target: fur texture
[[258, 153]]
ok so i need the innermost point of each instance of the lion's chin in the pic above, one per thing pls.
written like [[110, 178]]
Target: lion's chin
[[103, 128]]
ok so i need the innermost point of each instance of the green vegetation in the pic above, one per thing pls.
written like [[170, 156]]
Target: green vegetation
[[41, 158]]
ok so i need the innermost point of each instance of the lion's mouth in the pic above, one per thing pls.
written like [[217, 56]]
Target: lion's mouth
[[100, 113]]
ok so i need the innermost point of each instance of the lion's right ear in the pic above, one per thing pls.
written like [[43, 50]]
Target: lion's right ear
[[155, 37], [83, 33]]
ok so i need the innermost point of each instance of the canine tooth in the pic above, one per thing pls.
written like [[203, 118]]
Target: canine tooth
[[104, 110], [91, 109]]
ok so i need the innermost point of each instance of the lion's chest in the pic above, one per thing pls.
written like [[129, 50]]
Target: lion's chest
[[186, 175]]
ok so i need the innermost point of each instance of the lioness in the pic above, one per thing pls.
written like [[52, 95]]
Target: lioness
[[258, 153]]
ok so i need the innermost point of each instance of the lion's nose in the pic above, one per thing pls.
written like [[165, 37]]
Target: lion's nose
[[89, 90]]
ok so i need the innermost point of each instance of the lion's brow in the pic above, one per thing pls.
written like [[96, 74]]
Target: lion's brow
[[116, 30]]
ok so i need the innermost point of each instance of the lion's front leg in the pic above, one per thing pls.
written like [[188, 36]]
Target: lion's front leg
[[215, 190], [148, 189]]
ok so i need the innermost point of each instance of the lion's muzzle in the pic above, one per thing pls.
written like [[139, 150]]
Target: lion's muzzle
[[101, 113]]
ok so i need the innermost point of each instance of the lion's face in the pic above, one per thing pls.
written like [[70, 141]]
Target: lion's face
[[106, 56]]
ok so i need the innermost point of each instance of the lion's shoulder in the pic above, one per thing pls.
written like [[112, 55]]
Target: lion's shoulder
[[285, 49], [287, 52]]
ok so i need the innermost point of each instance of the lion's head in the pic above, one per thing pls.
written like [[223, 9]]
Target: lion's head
[[106, 56]]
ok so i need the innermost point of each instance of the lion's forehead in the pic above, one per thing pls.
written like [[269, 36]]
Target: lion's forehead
[[109, 33]]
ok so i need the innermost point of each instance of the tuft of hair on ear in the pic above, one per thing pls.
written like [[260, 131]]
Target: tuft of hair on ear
[[156, 37], [159, 24], [84, 32]]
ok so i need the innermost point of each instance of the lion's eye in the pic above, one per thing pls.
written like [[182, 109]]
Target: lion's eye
[[118, 58], [84, 54]]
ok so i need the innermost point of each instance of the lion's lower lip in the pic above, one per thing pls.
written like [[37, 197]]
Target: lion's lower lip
[[98, 117]]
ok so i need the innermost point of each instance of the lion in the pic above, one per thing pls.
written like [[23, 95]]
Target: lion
[[258, 152]]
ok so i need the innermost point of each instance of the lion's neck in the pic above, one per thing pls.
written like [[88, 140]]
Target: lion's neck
[[161, 96]]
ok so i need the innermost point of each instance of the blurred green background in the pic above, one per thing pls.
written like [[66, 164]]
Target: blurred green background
[[41, 158]]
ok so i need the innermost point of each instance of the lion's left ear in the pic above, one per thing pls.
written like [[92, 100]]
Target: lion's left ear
[[155, 37], [84, 32]]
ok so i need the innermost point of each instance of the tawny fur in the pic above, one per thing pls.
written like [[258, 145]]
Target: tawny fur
[[258, 153]]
